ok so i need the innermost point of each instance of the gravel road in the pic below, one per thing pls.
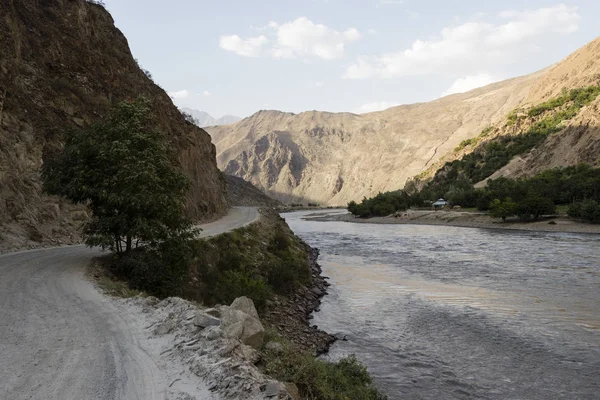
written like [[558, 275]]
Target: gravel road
[[62, 339]]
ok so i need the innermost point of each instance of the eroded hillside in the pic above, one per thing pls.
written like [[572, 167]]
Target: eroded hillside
[[63, 65], [333, 158], [576, 137]]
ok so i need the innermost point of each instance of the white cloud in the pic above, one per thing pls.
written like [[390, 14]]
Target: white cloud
[[300, 38], [319, 84], [372, 32], [467, 83], [470, 47], [375, 106], [250, 47], [206, 93], [180, 94]]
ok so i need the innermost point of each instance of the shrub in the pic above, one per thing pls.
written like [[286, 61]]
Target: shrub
[[161, 271], [237, 283], [318, 379], [254, 261], [534, 206], [588, 210], [503, 209]]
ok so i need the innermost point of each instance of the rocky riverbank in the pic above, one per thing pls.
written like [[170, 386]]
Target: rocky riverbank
[[291, 316], [467, 219], [205, 353]]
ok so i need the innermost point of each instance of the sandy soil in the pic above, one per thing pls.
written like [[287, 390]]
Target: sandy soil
[[468, 219]]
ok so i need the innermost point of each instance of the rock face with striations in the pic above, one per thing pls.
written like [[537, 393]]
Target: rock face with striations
[[63, 65]]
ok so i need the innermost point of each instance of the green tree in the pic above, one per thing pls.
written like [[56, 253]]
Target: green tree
[[503, 209], [590, 210], [534, 206], [125, 171]]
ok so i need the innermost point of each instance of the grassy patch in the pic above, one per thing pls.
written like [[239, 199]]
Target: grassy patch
[[318, 379], [256, 261], [109, 283]]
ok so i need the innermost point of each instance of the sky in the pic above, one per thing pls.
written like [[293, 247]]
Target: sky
[[240, 56]]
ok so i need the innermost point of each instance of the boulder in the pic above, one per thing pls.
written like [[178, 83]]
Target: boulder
[[238, 324], [293, 391], [203, 320], [234, 330], [254, 333], [246, 305]]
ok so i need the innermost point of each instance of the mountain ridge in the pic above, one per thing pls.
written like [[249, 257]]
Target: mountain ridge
[[204, 119], [338, 157]]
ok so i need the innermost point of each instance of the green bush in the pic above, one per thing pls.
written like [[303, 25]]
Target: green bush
[[317, 379], [503, 209], [534, 206], [237, 283], [587, 210], [254, 261], [161, 271]]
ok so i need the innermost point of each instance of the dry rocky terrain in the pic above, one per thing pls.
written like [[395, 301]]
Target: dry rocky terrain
[[332, 158], [63, 65]]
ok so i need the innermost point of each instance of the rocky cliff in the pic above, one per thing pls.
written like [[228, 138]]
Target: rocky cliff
[[63, 64], [333, 158]]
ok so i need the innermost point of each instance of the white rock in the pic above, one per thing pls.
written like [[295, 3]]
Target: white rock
[[203, 320], [246, 305]]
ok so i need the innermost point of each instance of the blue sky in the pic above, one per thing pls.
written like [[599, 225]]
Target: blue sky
[[240, 56]]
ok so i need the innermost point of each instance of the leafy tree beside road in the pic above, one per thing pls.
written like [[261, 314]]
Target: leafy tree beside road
[[124, 170]]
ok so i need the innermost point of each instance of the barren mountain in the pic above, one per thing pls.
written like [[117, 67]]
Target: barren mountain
[[63, 65], [332, 158]]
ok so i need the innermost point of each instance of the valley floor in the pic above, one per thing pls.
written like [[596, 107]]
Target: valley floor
[[467, 219]]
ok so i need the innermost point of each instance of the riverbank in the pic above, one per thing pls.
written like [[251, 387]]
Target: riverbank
[[291, 316], [467, 219]]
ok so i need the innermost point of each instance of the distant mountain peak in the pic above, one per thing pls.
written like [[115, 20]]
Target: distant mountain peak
[[205, 119]]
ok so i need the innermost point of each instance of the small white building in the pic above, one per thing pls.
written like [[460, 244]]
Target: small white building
[[440, 203]]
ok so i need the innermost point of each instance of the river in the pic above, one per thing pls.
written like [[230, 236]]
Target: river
[[440, 312]]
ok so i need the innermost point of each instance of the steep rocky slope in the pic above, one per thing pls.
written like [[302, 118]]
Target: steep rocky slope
[[63, 64], [243, 193], [333, 158], [578, 141]]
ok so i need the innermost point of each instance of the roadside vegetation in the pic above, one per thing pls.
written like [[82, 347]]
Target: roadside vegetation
[[318, 379], [126, 172]]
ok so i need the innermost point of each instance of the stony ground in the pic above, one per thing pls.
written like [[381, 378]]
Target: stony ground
[[471, 220], [202, 362]]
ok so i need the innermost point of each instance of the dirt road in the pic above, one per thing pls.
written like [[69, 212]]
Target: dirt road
[[62, 339]]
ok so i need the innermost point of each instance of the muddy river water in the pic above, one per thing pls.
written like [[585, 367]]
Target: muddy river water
[[439, 312]]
